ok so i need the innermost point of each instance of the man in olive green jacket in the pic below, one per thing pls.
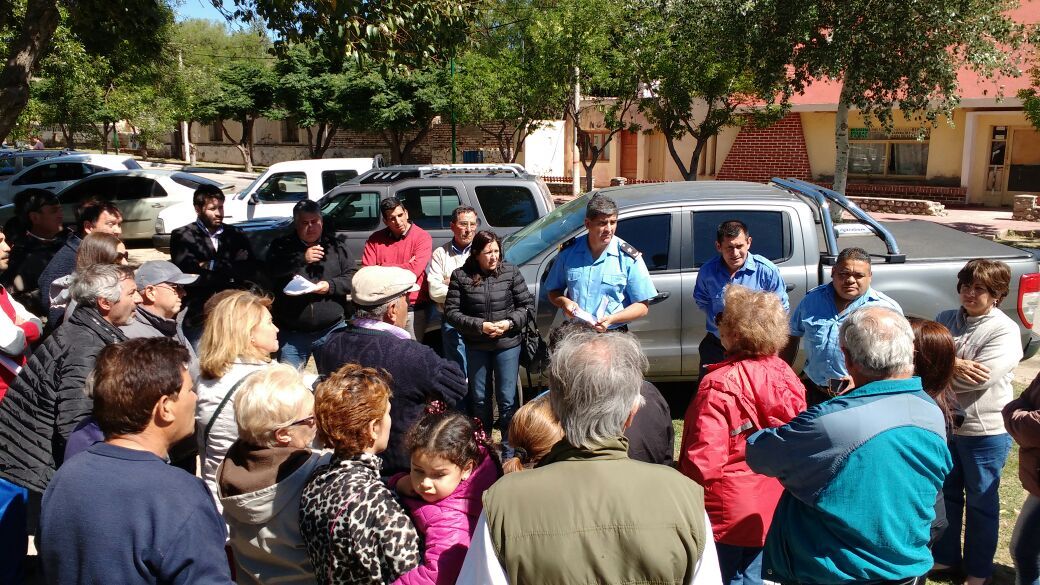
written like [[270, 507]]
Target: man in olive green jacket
[[588, 513]]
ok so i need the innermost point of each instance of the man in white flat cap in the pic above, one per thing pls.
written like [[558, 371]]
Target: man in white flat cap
[[375, 338]]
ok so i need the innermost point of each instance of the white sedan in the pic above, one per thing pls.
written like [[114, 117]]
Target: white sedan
[[57, 173], [140, 195]]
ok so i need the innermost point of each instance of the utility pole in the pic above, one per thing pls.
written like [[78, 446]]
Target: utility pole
[[576, 156], [185, 139]]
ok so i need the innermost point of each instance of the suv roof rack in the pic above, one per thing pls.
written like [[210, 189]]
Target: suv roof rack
[[396, 173], [514, 169]]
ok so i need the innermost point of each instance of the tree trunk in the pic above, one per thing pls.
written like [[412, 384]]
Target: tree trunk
[[247, 143], [406, 152], [670, 141], [193, 152], [841, 140], [24, 52], [695, 158], [67, 134], [393, 141], [841, 155]]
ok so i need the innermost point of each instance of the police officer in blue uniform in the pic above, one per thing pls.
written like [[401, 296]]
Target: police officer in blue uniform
[[601, 266]]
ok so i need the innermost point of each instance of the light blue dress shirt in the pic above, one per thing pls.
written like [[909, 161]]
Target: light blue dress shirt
[[817, 321], [622, 279], [757, 273]]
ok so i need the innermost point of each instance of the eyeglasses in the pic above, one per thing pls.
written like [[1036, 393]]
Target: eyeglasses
[[176, 288], [309, 421], [974, 290], [844, 274], [123, 256]]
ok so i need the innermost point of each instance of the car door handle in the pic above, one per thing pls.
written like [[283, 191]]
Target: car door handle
[[156, 205], [660, 297], [790, 287]]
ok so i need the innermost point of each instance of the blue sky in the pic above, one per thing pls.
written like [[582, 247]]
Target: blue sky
[[200, 9]]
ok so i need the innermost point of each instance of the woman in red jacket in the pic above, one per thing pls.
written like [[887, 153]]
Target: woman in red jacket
[[1022, 421], [752, 389]]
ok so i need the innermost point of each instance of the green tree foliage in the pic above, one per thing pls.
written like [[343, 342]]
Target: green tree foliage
[[507, 83], [400, 106], [897, 54], [129, 35], [313, 94], [707, 65], [1031, 96], [245, 91], [403, 32]]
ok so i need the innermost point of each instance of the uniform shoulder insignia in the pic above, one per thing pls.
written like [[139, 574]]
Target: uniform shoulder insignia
[[567, 244], [630, 250]]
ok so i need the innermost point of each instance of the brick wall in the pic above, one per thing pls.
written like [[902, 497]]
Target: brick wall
[[759, 154], [939, 194]]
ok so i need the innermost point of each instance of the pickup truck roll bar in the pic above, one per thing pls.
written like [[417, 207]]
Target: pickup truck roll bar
[[823, 198]]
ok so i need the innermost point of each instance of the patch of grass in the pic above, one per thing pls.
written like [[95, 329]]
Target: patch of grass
[[1012, 496]]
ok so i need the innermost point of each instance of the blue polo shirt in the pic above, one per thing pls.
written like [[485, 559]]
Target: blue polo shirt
[[622, 279], [757, 273], [817, 320]]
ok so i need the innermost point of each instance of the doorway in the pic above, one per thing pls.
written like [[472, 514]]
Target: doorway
[[1023, 164]]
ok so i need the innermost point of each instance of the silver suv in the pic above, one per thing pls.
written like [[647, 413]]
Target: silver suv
[[505, 197]]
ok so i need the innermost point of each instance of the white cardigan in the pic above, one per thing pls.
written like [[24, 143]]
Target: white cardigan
[[225, 430]]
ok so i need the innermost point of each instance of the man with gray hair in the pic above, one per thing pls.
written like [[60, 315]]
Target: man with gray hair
[[48, 398], [587, 513], [861, 471]]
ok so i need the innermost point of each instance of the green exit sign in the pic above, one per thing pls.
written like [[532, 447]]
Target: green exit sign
[[858, 133]]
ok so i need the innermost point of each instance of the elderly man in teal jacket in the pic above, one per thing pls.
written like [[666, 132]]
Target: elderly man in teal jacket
[[861, 471]]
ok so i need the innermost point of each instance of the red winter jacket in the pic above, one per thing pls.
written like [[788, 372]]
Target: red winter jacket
[[735, 399]]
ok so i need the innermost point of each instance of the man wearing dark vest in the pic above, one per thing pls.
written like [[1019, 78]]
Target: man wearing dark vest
[[587, 513]]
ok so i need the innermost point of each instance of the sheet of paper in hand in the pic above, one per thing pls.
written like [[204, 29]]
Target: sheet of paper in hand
[[299, 286], [601, 311]]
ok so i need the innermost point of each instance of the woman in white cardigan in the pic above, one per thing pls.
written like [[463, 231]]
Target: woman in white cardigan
[[239, 339], [989, 346]]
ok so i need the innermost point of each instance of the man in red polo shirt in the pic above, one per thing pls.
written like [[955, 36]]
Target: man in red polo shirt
[[407, 246]]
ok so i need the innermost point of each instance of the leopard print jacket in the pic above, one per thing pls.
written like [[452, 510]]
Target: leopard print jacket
[[354, 529]]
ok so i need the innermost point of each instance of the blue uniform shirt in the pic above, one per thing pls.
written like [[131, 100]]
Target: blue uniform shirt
[[757, 273], [817, 321], [621, 278]]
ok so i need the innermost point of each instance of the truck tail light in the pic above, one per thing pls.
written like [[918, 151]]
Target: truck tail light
[[1028, 298]]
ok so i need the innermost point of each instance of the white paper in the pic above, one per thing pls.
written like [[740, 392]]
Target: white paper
[[601, 311], [299, 286]]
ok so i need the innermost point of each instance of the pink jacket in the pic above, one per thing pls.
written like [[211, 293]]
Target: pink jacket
[[735, 399], [448, 525]]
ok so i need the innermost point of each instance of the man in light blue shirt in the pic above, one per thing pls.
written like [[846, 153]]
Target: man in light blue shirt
[[601, 274], [819, 316], [735, 264]]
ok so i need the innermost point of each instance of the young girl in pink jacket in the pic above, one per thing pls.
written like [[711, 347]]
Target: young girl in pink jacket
[[451, 469]]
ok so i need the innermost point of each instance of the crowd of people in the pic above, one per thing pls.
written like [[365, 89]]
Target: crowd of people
[[156, 425]]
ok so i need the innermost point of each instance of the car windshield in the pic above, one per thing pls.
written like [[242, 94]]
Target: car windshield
[[522, 246]]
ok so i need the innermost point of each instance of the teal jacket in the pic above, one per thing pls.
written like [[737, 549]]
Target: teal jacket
[[861, 474]]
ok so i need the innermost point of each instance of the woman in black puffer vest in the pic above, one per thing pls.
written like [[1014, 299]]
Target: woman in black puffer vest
[[488, 301]]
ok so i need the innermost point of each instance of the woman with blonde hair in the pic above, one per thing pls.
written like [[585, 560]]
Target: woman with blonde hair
[[265, 471], [238, 339], [752, 389], [533, 431]]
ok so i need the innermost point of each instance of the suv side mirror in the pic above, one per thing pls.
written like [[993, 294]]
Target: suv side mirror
[[253, 199]]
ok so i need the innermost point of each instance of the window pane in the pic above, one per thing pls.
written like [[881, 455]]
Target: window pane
[[909, 159], [352, 212], [132, 188], [283, 187], [769, 236], [507, 205], [867, 158], [429, 207], [330, 179], [651, 235]]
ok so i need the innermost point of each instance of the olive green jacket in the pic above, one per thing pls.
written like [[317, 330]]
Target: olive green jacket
[[596, 516]]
